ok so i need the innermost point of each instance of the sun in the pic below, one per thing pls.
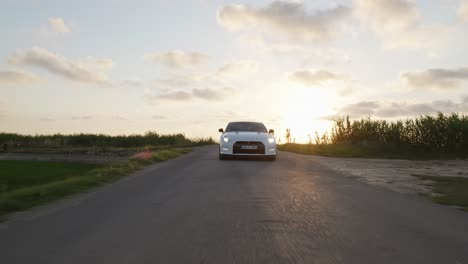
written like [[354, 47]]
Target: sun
[[304, 111]]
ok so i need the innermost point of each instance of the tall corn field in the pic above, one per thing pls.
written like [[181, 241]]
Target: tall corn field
[[446, 133]]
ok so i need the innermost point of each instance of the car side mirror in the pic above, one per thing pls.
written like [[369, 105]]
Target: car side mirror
[[221, 130], [271, 131]]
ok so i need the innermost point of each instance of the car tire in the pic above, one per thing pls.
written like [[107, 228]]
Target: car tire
[[221, 156], [272, 158]]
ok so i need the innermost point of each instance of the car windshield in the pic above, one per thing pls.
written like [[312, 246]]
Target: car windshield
[[246, 126]]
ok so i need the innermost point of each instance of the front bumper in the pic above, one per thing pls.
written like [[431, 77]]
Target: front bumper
[[229, 148], [247, 157]]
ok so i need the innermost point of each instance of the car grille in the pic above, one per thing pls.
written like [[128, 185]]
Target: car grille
[[237, 148]]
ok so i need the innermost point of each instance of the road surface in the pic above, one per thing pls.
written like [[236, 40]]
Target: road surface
[[197, 209]]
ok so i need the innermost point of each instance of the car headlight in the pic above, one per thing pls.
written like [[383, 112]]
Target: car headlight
[[226, 139], [271, 140]]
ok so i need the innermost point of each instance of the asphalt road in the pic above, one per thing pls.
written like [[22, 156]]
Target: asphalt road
[[197, 209]]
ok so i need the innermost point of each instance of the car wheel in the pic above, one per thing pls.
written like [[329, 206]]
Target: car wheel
[[221, 156], [272, 158]]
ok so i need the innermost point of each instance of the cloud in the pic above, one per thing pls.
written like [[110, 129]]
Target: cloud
[[18, 77], [175, 96], [388, 15], [359, 109], [290, 19], [238, 67], [158, 117], [99, 64], [187, 87], [259, 43], [346, 91], [47, 119], [178, 58], [175, 81], [221, 77], [462, 11], [205, 94], [415, 109], [314, 78], [398, 23], [211, 94], [117, 118], [311, 57], [436, 78], [57, 25], [59, 65], [132, 82], [202, 79], [84, 117], [399, 109], [343, 84]]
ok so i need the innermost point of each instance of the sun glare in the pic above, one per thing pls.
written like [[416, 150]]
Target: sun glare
[[304, 112]]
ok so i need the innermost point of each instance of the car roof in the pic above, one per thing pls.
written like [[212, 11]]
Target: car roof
[[246, 122]]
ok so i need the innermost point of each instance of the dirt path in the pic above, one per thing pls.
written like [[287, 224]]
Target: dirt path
[[397, 175]]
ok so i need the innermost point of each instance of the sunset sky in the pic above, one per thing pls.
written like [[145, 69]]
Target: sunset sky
[[122, 67]]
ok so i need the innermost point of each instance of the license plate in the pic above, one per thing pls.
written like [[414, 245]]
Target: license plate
[[248, 147]]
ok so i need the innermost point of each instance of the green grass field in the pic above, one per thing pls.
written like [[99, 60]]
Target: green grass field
[[15, 174], [24, 184], [449, 190]]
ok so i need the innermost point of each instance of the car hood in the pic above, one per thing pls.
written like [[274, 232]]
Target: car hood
[[247, 136]]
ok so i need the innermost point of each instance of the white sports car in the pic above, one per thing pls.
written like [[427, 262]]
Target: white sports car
[[247, 139]]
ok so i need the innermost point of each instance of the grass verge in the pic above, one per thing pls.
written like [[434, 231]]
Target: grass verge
[[381, 151], [448, 190], [25, 184]]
